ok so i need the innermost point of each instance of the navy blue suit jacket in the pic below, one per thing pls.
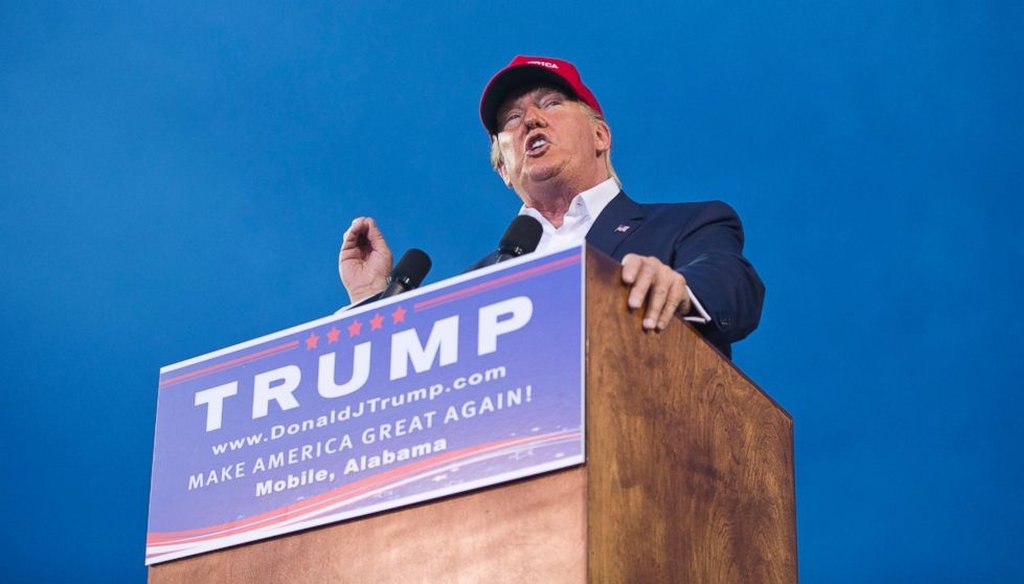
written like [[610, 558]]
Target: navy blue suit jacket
[[703, 242]]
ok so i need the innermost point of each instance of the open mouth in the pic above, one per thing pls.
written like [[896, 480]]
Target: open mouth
[[536, 144]]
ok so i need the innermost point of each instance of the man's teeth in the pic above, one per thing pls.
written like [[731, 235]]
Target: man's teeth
[[534, 144]]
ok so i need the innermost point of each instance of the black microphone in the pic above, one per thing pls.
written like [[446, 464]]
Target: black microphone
[[407, 275], [521, 238]]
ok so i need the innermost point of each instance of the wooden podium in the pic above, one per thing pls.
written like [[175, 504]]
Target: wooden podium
[[689, 478]]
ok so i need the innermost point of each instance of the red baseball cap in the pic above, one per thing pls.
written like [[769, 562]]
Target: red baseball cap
[[525, 70]]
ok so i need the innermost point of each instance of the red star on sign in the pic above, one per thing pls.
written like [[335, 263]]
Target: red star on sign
[[332, 335], [311, 341], [354, 328], [377, 321], [398, 315]]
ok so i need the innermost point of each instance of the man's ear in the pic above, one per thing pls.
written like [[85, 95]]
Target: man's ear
[[602, 136], [503, 172]]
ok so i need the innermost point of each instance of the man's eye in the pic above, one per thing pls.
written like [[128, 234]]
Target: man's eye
[[552, 102], [509, 118]]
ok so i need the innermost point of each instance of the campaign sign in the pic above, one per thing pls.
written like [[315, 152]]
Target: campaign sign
[[466, 383]]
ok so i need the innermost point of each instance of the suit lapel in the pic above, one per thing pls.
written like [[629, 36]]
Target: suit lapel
[[616, 223]]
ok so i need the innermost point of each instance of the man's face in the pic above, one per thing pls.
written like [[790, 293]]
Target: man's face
[[549, 142]]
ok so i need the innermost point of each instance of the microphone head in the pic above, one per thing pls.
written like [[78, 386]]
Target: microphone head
[[521, 237], [411, 269]]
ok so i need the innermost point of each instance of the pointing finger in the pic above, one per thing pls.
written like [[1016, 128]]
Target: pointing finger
[[630, 267], [641, 285]]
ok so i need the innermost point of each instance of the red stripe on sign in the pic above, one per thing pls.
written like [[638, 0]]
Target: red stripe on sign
[[227, 364], [550, 266]]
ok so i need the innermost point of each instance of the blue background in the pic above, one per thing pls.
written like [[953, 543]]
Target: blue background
[[176, 177]]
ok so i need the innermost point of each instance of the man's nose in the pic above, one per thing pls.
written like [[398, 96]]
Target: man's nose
[[534, 118]]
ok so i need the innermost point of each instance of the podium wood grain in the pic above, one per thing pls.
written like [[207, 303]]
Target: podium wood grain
[[689, 478], [689, 464]]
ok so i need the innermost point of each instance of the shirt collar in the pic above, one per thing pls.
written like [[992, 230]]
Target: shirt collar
[[589, 203]]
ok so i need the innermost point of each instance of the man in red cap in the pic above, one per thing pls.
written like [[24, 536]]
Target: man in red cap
[[551, 144]]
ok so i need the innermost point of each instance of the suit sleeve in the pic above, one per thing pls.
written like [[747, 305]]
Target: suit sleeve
[[709, 254]]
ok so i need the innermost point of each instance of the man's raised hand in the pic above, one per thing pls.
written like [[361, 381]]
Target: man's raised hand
[[364, 261]]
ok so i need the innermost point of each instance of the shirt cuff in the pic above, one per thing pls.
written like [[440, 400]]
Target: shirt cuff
[[702, 316]]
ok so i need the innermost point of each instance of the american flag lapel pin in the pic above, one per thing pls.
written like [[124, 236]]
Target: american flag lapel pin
[[622, 229]]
